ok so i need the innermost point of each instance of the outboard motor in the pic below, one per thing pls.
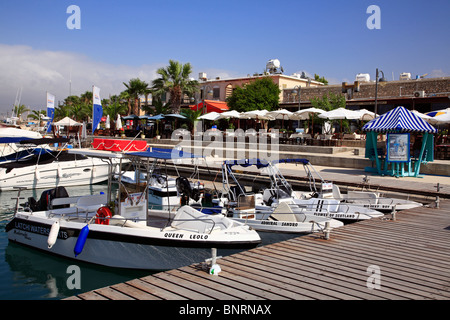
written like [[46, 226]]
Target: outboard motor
[[46, 199], [185, 189]]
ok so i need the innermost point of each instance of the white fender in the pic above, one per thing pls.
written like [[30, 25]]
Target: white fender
[[59, 171], [53, 234], [37, 174]]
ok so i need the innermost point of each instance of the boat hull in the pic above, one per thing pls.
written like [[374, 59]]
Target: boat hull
[[119, 247], [290, 227], [73, 173]]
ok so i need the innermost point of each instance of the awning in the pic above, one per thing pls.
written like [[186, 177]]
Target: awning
[[211, 106], [399, 119]]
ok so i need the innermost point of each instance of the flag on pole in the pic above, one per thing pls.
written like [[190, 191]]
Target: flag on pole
[[97, 110], [50, 110]]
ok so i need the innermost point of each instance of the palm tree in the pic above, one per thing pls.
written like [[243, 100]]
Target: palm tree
[[124, 95], [113, 107], [37, 115], [175, 80], [135, 88], [80, 112], [86, 97], [19, 109], [62, 111], [191, 117]]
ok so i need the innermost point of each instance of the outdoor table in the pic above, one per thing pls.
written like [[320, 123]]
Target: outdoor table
[[443, 151]]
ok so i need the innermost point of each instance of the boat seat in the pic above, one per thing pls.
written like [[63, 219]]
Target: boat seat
[[91, 203], [363, 197], [286, 211], [190, 219], [246, 202], [337, 192], [61, 202]]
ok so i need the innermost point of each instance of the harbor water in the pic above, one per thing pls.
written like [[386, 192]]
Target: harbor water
[[29, 274]]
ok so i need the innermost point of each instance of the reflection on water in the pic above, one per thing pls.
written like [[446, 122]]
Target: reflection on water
[[27, 273]]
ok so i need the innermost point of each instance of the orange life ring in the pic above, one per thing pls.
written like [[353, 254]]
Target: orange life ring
[[103, 215]]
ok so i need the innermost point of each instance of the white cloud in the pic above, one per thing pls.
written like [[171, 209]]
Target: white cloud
[[438, 73], [38, 71]]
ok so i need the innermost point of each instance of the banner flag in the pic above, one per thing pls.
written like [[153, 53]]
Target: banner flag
[[50, 110], [97, 110]]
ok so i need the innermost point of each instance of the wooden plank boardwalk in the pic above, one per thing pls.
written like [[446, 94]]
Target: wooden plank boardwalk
[[411, 255]]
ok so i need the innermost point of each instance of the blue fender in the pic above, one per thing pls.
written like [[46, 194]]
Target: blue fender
[[81, 240]]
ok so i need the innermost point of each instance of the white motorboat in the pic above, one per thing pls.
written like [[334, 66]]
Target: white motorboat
[[281, 217], [125, 235], [162, 190], [51, 168], [149, 171], [362, 198], [281, 191]]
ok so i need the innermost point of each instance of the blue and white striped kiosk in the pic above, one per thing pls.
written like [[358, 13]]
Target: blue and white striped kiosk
[[394, 157]]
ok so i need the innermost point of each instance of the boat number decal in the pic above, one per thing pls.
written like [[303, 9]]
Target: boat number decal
[[319, 205], [38, 229]]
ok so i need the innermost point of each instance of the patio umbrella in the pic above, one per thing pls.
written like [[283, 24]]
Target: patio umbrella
[[131, 117], [280, 114], [83, 131], [107, 124], [339, 114], [118, 123], [230, 114], [145, 116], [67, 122], [442, 118], [306, 113], [438, 112], [366, 115], [439, 116], [257, 114], [210, 116], [174, 115], [157, 117]]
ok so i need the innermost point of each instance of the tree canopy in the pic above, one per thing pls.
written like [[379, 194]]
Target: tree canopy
[[259, 94], [175, 80], [320, 79], [329, 101]]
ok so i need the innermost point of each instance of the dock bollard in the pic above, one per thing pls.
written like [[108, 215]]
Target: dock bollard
[[215, 268], [327, 230], [438, 188], [394, 212]]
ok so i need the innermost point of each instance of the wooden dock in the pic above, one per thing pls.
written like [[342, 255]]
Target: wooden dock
[[379, 259]]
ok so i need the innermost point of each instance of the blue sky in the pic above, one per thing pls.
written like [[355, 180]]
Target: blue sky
[[119, 40]]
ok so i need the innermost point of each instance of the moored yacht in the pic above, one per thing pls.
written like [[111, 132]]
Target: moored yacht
[[120, 232]]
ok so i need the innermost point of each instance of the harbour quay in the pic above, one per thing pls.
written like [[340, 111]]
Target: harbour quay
[[405, 257], [401, 256]]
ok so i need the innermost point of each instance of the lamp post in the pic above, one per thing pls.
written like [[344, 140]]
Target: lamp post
[[297, 91], [382, 79], [203, 101]]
